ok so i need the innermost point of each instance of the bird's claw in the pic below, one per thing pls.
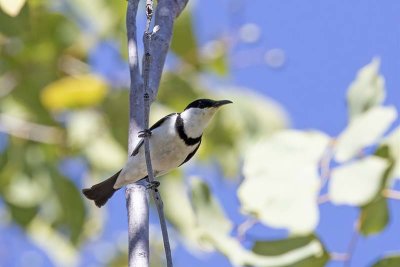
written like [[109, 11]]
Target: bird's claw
[[144, 133], [153, 185]]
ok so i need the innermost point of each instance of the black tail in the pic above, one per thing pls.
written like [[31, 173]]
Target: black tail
[[101, 192]]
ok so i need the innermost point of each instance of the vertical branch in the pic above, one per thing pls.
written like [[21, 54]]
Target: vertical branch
[[143, 91], [136, 196]]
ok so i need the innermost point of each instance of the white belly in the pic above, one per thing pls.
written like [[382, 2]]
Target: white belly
[[167, 152]]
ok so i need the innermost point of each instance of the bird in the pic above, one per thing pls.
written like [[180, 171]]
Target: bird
[[173, 141]]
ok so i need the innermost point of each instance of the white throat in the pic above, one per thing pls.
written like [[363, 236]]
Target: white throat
[[195, 120]]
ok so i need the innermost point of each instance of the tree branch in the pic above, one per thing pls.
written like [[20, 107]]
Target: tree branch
[[136, 197], [156, 52]]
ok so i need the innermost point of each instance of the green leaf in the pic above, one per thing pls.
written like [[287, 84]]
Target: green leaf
[[357, 182], [265, 193], [177, 91], [365, 130], [277, 247], [392, 142], [374, 216], [12, 7], [116, 110], [184, 43], [22, 215], [367, 91], [390, 261], [72, 206]]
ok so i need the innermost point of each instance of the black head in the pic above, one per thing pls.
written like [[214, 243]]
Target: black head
[[207, 103]]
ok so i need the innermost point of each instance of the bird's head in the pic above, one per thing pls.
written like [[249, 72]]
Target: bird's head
[[198, 114]]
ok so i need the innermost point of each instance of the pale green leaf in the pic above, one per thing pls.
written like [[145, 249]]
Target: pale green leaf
[[365, 130], [367, 91], [26, 191], [213, 229], [12, 7], [389, 261], [56, 246], [250, 117], [103, 151], [358, 182], [281, 182]]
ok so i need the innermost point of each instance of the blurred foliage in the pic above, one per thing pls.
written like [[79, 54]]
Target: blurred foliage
[[391, 261], [53, 107]]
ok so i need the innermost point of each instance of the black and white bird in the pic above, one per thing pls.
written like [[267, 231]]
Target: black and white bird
[[173, 141]]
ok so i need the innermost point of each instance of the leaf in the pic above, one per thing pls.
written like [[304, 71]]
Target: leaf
[[358, 182], [72, 92], [363, 131], [277, 247], [103, 152], [392, 141], [208, 211], [12, 7], [177, 91], [57, 248], [22, 215], [250, 117], [184, 43], [214, 57], [73, 210], [367, 91], [281, 182], [389, 261], [213, 229], [374, 216]]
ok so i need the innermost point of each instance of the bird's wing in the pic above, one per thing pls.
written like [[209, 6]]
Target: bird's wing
[[191, 153], [138, 146], [154, 126], [160, 121]]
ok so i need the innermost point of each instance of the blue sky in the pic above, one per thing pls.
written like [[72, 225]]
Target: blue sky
[[325, 43]]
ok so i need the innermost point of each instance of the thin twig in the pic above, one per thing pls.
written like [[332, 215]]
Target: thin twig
[[392, 194], [353, 243], [323, 199], [29, 130], [326, 163], [244, 227], [147, 91]]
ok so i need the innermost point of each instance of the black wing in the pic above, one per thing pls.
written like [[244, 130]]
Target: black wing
[[160, 121], [154, 126], [191, 154]]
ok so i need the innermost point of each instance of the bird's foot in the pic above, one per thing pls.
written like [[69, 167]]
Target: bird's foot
[[145, 133], [153, 185]]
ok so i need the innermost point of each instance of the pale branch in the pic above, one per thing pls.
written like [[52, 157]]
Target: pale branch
[[136, 197], [31, 131]]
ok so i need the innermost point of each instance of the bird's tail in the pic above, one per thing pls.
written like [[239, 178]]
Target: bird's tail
[[101, 192]]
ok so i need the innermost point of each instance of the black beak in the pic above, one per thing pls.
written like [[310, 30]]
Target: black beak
[[221, 103]]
